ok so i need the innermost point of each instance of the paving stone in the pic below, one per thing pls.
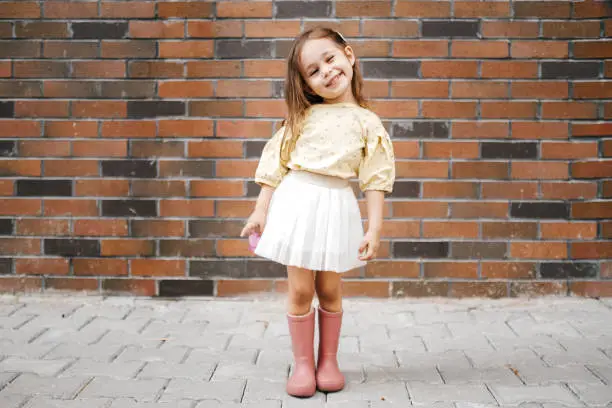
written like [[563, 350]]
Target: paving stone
[[463, 343], [119, 338], [214, 341], [468, 329], [527, 328], [197, 372], [390, 391], [95, 352], [12, 401], [536, 342], [230, 390], [90, 368], [32, 351], [15, 321], [31, 384], [39, 367], [594, 395], [135, 325], [452, 358], [509, 357], [143, 390], [257, 391], [5, 378], [378, 374], [555, 393], [429, 394], [23, 335], [128, 403], [87, 335], [502, 375], [397, 343], [586, 355], [229, 371], [44, 402], [164, 329], [200, 356], [604, 371], [166, 355], [219, 404], [537, 375]]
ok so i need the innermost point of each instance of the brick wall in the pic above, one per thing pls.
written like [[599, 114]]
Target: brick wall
[[130, 131]]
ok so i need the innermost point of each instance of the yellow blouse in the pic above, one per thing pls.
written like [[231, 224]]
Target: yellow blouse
[[342, 140]]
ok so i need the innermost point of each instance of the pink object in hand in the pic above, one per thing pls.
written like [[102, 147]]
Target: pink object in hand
[[253, 240]]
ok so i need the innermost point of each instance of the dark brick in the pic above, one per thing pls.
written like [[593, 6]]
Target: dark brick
[[218, 268], [186, 287], [157, 148], [214, 228], [419, 289], [129, 168], [570, 70], [6, 226], [282, 48], [403, 189], [187, 248], [20, 89], [127, 89], [254, 148], [244, 49], [278, 89], [7, 149], [6, 30], [565, 270], [129, 208], [420, 249], [303, 9], [252, 189], [42, 188], [44, 29], [191, 168], [72, 247], [264, 269], [433, 29], [7, 109], [390, 69], [415, 129], [508, 150], [86, 31], [539, 209], [6, 266], [151, 109], [19, 49], [478, 250]]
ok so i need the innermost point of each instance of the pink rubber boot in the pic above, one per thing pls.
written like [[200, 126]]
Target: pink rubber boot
[[302, 381], [329, 378]]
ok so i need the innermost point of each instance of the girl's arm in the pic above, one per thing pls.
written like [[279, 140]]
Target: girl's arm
[[257, 220], [369, 247]]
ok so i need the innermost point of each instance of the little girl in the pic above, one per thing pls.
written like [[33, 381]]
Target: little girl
[[306, 212]]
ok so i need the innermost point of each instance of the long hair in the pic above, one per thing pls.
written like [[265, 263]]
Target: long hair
[[297, 97]]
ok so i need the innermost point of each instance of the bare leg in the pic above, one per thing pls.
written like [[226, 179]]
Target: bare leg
[[301, 290], [329, 291]]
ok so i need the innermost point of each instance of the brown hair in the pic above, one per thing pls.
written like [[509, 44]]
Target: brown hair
[[296, 95]]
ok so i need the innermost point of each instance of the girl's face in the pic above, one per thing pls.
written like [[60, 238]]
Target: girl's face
[[328, 69]]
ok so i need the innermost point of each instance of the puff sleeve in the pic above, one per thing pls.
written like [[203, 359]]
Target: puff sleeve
[[377, 168], [270, 171]]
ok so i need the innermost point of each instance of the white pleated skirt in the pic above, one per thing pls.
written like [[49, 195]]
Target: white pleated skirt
[[313, 222]]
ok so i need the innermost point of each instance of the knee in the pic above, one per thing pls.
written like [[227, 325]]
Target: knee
[[302, 294], [329, 293]]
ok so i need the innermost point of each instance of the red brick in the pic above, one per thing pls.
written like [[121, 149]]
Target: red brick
[[158, 188], [449, 109], [269, 29], [362, 8], [476, 209], [48, 109], [389, 28], [569, 110], [20, 206], [348, 28], [538, 250], [71, 207], [419, 89], [20, 284], [19, 128], [99, 69], [42, 227], [392, 269], [591, 289], [186, 49], [19, 9], [478, 89], [127, 247], [420, 48], [540, 90], [593, 49], [185, 89], [536, 130], [395, 108], [591, 9], [243, 88], [221, 107], [479, 49], [44, 148], [217, 188], [244, 9], [20, 246], [595, 209], [5, 69], [99, 109], [400, 229], [157, 267], [97, 267], [137, 287], [185, 128], [482, 170], [539, 170], [568, 150], [450, 229], [510, 29], [448, 150], [157, 29], [99, 148], [591, 250], [266, 108], [449, 69], [184, 9], [569, 190], [570, 29], [101, 188], [476, 9], [367, 288], [234, 208], [213, 29], [187, 208], [508, 270], [449, 189], [591, 129], [158, 228], [511, 110], [420, 209], [214, 69], [72, 284], [20, 167], [606, 270], [155, 69], [537, 289], [243, 287], [235, 168], [450, 270], [6, 187], [539, 49], [607, 189], [606, 229], [244, 129], [69, 49], [215, 148], [422, 169], [591, 169], [129, 129], [42, 266], [75, 129], [132, 9], [101, 228], [70, 9], [509, 69], [406, 149], [478, 289], [593, 90], [71, 168], [606, 148], [480, 130], [509, 230], [233, 248], [423, 9], [38, 30], [419, 288], [568, 230], [263, 68]]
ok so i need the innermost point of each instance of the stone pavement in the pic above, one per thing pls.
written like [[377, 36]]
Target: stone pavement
[[60, 351]]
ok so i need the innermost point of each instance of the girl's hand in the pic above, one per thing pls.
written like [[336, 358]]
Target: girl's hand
[[369, 246], [255, 224]]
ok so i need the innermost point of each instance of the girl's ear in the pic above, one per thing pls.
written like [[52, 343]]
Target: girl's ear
[[350, 54]]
